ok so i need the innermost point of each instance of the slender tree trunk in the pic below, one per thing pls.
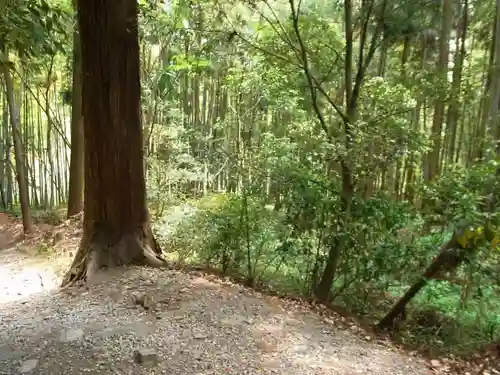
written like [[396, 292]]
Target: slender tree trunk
[[451, 255], [116, 228], [493, 125], [4, 162], [75, 200], [51, 191], [338, 244], [439, 103], [454, 107], [22, 180], [479, 133]]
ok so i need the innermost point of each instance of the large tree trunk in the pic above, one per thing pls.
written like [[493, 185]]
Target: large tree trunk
[[75, 200], [116, 222]]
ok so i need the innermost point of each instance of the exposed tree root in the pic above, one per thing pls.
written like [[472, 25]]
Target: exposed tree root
[[97, 254]]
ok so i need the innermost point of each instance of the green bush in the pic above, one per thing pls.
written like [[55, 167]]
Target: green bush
[[388, 245], [236, 234]]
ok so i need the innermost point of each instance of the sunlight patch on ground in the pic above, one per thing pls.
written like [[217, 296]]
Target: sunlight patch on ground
[[24, 282]]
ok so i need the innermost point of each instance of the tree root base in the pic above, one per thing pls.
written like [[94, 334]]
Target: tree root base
[[94, 256]]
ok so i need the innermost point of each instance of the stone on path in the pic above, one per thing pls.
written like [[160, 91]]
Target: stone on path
[[72, 334], [199, 336], [145, 300], [145, 357], [28, 366]]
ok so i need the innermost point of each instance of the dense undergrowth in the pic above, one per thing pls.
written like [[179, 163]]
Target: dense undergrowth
[[283, 247]]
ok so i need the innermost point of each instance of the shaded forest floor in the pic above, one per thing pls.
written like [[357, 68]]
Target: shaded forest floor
[[184, 323]]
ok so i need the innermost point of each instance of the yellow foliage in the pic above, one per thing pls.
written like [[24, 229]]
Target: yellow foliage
[[467, 235], [495, 241], [475, 235]]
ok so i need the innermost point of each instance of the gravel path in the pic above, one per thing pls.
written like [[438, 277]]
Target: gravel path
[[192, 326]]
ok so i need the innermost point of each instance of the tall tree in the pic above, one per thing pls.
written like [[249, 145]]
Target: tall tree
[[75, 195], [21, 175], [432, 166], [116, 222]]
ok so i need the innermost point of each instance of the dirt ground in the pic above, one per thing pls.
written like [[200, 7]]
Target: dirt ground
[[154, 321]]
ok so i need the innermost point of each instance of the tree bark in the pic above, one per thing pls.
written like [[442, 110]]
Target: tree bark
[[116, 222], [433, 167], [75, 200], [22, 180], [493, 124], [456, 85]]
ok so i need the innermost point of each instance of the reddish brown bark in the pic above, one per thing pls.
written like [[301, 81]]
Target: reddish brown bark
[[116, 221]]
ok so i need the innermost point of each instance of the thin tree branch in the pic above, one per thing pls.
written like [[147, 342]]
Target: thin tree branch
[[305, 66]]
